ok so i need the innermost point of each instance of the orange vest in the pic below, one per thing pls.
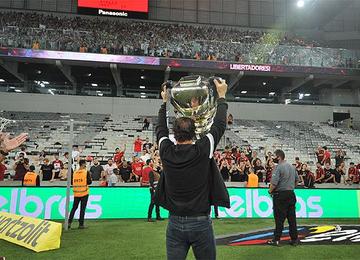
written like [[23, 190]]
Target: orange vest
[[80, 187], [253, 181], [30, 179]]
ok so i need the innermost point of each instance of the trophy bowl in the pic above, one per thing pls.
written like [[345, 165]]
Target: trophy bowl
[[195, 96]]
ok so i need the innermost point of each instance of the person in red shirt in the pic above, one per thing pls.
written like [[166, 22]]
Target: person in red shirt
[[327, 156], [57, 166], [145, 177], [320, 174], [137, 146], [353, 174], [119, 154], [242, 158], [136, 168], [320, 154]]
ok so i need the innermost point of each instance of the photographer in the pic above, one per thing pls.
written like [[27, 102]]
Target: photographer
[[21, 166]]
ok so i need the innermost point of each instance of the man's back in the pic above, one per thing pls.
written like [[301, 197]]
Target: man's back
[[284, 177], [187, 170]]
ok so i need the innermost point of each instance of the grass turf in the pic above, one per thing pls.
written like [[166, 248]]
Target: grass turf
[[137, 239]]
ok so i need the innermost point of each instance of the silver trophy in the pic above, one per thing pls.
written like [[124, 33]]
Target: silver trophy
[[195, 97]]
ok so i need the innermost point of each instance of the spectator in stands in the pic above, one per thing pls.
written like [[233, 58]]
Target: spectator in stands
[[320, 174], [103, 182], [31, 178], [225, 169], [301, 172], [3, 167], [327, 156], [119, 156], [147, 145], [21, 167], [236, 173], [298, 165], [329, 174], [137, 146], [113, 178], [340, 173], [58, 166], [270, 166], [145, 156], [339, 157], [259, 170], [42, 156], [22, 153], [146, 124], [253, 157], [96, 170], [109, 169], [75, 156], [230, 119], [309, 178], [353, 174], [137, 168], [125, 172], [320, 155], [145, 177], [47, 171]]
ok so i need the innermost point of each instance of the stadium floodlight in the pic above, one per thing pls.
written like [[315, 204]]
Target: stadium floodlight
[[142, 93], [237, 97], [46, 82], [301, 95], [264, 83], [142, 87], [263, 98], [300, 3], [243, 92], [142, 96], [18, 91], [11, 87], [42, 85], [94, 84], [100, 94], [51, 92], [89, 74], [2, 80], [142, 77], [307, 95], [287, 101], [271, 93]]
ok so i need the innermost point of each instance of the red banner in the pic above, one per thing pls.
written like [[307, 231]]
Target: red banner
[[121, 5]]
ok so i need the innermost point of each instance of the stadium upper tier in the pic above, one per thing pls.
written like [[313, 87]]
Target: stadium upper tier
[[86, 34]]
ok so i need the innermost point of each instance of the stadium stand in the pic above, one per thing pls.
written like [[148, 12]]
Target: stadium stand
[[82, 34]]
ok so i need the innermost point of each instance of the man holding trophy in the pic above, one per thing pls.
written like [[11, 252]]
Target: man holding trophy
[[191, 181]]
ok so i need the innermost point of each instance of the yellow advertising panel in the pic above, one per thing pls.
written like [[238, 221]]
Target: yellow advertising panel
[[35, 234]]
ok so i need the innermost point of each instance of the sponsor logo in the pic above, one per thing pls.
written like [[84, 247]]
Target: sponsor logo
[[334, 234], [255, 205], [248, 67], [112, 13], [35, 206]]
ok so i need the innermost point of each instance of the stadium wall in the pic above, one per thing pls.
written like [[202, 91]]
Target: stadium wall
[[149, 107]]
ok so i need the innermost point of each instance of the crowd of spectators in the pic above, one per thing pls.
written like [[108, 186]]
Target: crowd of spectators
[[235, 165], [114, 36]]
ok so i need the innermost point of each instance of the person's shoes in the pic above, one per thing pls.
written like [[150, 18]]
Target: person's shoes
[[82, 227], [160, 219], [273, 242], [294, 242], [150, 220], [69, 226]]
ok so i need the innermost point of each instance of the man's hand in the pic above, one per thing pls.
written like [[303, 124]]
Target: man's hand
[[164, 93], [7, 144], [221, 87]]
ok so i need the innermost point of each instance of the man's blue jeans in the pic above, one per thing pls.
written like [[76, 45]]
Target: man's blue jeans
[[183, 232]]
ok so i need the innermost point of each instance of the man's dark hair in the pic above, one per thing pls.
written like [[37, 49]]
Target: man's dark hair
[[325, 147], [148, 161], [184, 129], [82, 162], [32, 168], [280, 153], [297, 158], [352, 163]]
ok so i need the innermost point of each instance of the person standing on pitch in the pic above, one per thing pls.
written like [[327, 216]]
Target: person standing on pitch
[[31, 178], [283, 182], [187, 169], [81, 179]]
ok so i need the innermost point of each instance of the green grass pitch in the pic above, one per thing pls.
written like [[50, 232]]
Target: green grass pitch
[[137, 239]]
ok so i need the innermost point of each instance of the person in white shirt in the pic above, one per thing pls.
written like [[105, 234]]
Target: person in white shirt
[[113, 179], [109, 168], [145, 156]]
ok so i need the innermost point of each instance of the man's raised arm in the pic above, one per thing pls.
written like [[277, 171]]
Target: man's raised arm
[[162, 130]]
